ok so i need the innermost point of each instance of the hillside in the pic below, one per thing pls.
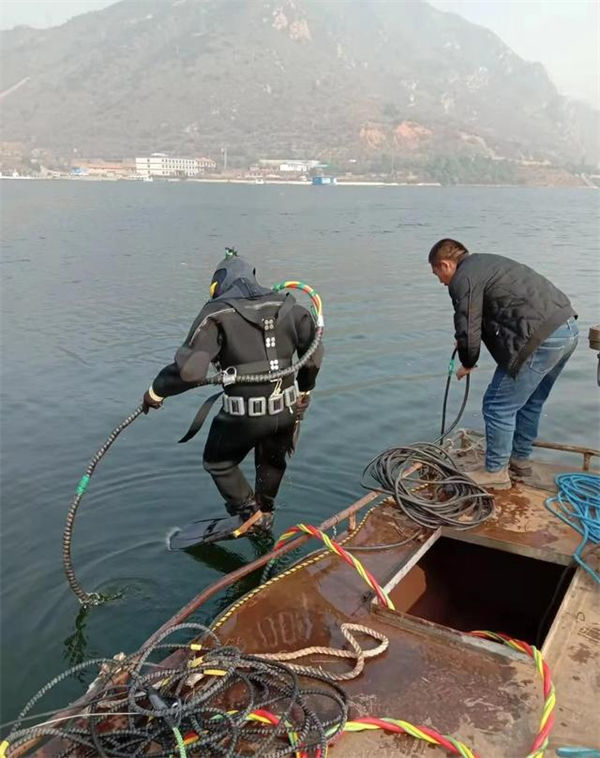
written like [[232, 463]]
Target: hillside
[[372, 82]]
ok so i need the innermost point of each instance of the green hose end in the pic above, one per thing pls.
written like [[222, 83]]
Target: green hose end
[[451, 366], [83, 483]]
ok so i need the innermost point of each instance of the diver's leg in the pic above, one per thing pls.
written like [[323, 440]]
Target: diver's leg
[[270, 459], [229, 442]]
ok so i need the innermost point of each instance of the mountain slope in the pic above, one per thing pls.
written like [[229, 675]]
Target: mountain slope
[[282, 77]]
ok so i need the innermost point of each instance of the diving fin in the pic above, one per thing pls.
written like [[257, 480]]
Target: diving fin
[[207, 531]]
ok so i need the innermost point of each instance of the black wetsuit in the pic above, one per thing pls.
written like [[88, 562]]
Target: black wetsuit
[[227, 333]]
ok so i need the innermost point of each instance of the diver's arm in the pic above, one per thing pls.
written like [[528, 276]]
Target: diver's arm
[[191, 363]]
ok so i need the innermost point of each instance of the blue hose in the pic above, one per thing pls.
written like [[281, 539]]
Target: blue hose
[[578, 504]]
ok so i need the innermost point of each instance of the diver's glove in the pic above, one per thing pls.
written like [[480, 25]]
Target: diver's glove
[[151, 400], [302, 405]]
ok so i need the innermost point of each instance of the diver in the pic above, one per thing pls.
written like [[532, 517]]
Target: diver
[[250, 329], [530, 329]]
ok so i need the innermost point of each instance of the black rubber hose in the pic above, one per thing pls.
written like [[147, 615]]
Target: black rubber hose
[[88, 598], [443, 432], [143, 713], [428, 487]]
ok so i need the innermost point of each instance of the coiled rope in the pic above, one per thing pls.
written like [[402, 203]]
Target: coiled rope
[[428, 487], [166, 710], [577, 503], [173, 707], [357, 652]]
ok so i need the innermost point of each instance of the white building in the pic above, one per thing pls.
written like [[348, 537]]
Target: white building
[[161, 164], [289, 166]]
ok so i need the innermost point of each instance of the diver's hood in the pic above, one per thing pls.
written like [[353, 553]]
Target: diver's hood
[[235, 278]]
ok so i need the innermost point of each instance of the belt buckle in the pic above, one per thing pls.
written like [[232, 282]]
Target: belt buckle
[[236, 406], [257, 406], [276, 404], [290, 395]]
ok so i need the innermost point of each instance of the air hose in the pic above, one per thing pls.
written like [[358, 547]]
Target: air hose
[[425, 481], [93, 598], [226, 377], [451, 367]]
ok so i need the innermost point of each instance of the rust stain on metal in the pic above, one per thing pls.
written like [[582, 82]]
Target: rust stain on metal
[[488, 697], [582, 654]]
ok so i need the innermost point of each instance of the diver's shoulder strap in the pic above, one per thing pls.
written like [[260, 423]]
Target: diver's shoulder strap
[[200, 417], [251, 311]]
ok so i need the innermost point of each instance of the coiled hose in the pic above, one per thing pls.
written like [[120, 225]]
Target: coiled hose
[[213, 701], [578, 504], [425, 481], [221, 377], [428, 487]]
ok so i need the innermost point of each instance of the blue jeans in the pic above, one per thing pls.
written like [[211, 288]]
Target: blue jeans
[[512, 407]]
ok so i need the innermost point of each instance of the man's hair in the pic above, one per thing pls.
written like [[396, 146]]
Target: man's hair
[[447, 250]]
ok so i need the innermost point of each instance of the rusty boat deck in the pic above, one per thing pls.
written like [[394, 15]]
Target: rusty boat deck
[[513, 574]]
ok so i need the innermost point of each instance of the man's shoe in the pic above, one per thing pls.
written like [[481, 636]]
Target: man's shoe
[[520, 466], [492, 480]]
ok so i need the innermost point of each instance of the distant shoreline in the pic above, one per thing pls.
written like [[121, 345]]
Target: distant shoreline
[[350, 183]]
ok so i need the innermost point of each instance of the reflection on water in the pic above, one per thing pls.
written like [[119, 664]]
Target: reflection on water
[[75, 645]]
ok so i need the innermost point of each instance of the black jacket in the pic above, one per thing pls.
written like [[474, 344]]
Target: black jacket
[[225, 334], [508, 306]]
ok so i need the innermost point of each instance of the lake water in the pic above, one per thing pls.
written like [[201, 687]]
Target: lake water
[[100, 282]]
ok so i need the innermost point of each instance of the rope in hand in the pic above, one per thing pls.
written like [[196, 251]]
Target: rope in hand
[[577, 503], [451, 367]]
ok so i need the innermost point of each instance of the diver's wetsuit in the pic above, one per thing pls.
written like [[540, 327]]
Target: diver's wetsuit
[[229, 332], [229, 442]]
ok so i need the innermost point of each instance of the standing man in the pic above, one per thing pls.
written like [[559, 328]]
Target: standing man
[[253, 330], [530, 329]]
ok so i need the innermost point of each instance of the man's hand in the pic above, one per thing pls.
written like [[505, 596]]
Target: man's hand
[[151, 400], [302, 405], [462, 372]]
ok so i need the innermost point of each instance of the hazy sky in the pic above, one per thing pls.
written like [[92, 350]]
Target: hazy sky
[[564, 35]]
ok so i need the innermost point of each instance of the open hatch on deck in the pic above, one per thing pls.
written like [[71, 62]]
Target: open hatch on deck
[[465, 587]]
